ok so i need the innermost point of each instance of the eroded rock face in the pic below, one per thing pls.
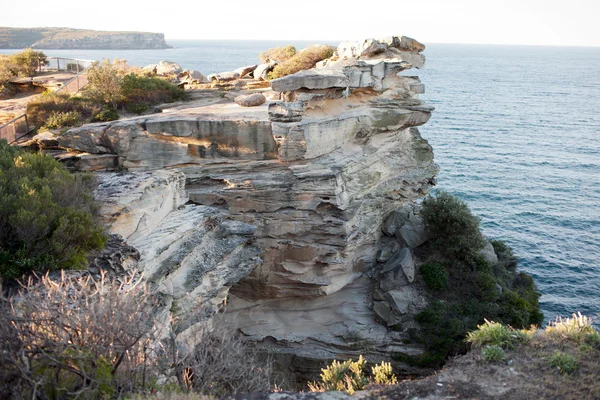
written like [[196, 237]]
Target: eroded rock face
[[303, 185], [192, 253]]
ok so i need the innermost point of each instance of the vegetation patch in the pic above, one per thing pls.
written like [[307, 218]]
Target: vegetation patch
[[563, 362], [57, 110], [493, 353], [98, 339], [21, 64], [464, 288], [435, 276], [304, 59], [48, 216], [112, 87], [349, 376]]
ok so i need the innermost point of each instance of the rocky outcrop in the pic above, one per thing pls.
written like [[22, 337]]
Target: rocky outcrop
[[68, 38], [193, 254], [305, 181]]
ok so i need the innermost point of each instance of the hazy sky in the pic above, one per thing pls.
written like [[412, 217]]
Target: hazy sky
[[543, 22]]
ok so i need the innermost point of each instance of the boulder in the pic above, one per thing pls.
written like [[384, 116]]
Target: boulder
[[488, 253], [402, 260], [395, 220], [413, 232], [243, 71], [190, 76], [168, 68], [250, 100], [261, 72], [150, 68], [46, 140], [224, 76]]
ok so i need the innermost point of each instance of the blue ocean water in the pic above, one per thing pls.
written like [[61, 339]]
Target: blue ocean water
[[515, 133]]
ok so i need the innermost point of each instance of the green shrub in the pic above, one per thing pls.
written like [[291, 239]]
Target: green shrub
[[304, 59], [108, 114], [435, 276], [58, 119], [26, 62], [454, 229], [564, 362], [149, 90], [47, 215], [278, 54], [493, 353], [472, 289], [41, 108], [137, 108]]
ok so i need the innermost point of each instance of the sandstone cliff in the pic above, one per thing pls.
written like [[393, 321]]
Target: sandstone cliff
[[286, 205], [68, 38]]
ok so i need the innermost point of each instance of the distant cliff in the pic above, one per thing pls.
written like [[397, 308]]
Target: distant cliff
[[68, 38]]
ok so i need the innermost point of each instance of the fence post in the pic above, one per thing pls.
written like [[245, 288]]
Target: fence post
[[26, 124]]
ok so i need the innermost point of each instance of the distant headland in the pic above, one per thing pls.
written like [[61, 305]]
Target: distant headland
[[69, 38]]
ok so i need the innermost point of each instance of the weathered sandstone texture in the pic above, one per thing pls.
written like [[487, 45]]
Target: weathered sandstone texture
[[303, 183]]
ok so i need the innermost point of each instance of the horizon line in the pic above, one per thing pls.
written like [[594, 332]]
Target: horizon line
[[424, 42]]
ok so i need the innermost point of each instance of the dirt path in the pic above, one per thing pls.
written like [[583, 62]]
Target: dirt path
[[10, 108]]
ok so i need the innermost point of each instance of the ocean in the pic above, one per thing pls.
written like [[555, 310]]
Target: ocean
[[515, 133]]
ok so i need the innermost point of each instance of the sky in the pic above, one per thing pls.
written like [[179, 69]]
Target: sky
[[521, 22]]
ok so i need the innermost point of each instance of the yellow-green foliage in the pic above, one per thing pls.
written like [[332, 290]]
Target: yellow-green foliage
[[579, 328], [348, 376], [60, 119], [383, 375], [277, 54], [496, 334], [304, 59], [47, 215]]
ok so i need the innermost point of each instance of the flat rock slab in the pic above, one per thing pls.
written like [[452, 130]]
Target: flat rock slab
[[311, 79]]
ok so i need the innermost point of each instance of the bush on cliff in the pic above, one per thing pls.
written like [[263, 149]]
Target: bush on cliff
[[47, 215], [304, 59], [101, 339], [465, 289], [454, 229]]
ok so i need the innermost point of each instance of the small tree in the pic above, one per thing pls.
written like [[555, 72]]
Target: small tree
[[26, 62], [104, 83]]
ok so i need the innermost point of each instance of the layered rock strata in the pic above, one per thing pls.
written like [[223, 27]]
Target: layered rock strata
[[311, 177]]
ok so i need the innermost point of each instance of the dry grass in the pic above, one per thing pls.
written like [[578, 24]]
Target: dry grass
[[304, 59]]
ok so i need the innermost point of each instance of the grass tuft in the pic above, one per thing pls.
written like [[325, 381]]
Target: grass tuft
[[564, 362]]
